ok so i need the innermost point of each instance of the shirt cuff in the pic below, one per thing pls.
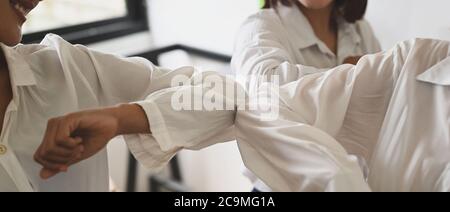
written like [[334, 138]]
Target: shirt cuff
[[153, 150]]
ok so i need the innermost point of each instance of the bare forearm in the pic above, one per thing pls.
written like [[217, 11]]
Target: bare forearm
[[132, 119]]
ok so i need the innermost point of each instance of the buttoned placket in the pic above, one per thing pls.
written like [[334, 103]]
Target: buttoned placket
[[8, 159]]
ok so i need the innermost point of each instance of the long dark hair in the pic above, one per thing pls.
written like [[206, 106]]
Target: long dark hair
[[350, 10]]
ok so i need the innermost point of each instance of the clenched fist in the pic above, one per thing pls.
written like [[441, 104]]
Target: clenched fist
[[75, 137]]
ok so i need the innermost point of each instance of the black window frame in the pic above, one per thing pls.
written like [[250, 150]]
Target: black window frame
[[135, 21]]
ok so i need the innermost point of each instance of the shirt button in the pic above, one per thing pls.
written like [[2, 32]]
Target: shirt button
[[3, 149]]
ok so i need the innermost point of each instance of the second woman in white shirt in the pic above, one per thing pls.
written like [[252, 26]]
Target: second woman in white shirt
[[298, 37], [293, 38]]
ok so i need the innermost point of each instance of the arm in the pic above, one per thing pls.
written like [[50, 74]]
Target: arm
[[261, 51], [109, 78], [302, 150], [85, 133], [77, 136]]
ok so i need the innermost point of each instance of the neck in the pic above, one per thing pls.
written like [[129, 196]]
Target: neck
[[320, 19]]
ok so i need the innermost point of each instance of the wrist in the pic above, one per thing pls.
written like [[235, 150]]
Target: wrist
[[131, 119], [119, 113]]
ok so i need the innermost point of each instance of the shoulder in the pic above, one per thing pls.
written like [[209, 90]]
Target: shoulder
[[51, 49], [41, 58], [263, 20], [365, 30], [264, 15], [368, 36], [364, 26], [54, 59], [265, 24]]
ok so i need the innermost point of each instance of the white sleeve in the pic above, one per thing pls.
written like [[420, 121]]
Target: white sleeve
[[190, 126], [287, 153], [261, 52], [111, 79], [299, 151]]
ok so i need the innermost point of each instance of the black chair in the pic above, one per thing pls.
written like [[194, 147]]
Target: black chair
[[175, 183]]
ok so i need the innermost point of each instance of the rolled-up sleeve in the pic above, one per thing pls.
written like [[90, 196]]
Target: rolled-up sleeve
[[174, 129]]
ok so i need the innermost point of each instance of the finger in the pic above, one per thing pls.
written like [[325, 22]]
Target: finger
[[59, 159], [37, 154], [77, 157], [69, 142], [58, 151], [51, 165], [47, 173], [63, 133], [50, 132], [48, 151], [54, 160]]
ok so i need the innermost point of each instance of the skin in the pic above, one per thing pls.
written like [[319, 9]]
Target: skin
[[316, 4], [318, 13], [77, 136], [5, 89], [11, 26]]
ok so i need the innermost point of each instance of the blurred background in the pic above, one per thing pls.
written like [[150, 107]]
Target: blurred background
[[175, 33]]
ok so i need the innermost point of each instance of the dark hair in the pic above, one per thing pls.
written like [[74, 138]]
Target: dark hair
[[350, 10]]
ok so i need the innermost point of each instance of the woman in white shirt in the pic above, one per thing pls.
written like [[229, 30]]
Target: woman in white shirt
[[38, 82], [293, 38]]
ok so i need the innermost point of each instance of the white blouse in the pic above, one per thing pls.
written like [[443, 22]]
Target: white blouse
[[55, 78], [282, 42]]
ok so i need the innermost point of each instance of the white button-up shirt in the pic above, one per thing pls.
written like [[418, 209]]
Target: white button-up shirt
[[282, 42], [392, 108], [53, 79]]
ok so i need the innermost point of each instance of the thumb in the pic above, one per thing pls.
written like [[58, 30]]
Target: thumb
[[47, 173]]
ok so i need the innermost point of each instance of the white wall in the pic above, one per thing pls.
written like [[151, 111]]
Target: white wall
[[209, 24], [399, 20]]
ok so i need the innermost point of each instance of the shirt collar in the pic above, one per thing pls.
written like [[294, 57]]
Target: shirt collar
[[438, 74], [20, 71], [348, 32], [348, 38], [297, 24]]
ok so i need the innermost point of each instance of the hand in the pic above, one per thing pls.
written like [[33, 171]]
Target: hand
[[75, 137], [352, 60]]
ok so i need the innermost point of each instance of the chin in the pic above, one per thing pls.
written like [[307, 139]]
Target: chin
[[316, 4], [13, 39]]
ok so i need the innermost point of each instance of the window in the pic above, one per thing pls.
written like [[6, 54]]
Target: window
[[86, 21]]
